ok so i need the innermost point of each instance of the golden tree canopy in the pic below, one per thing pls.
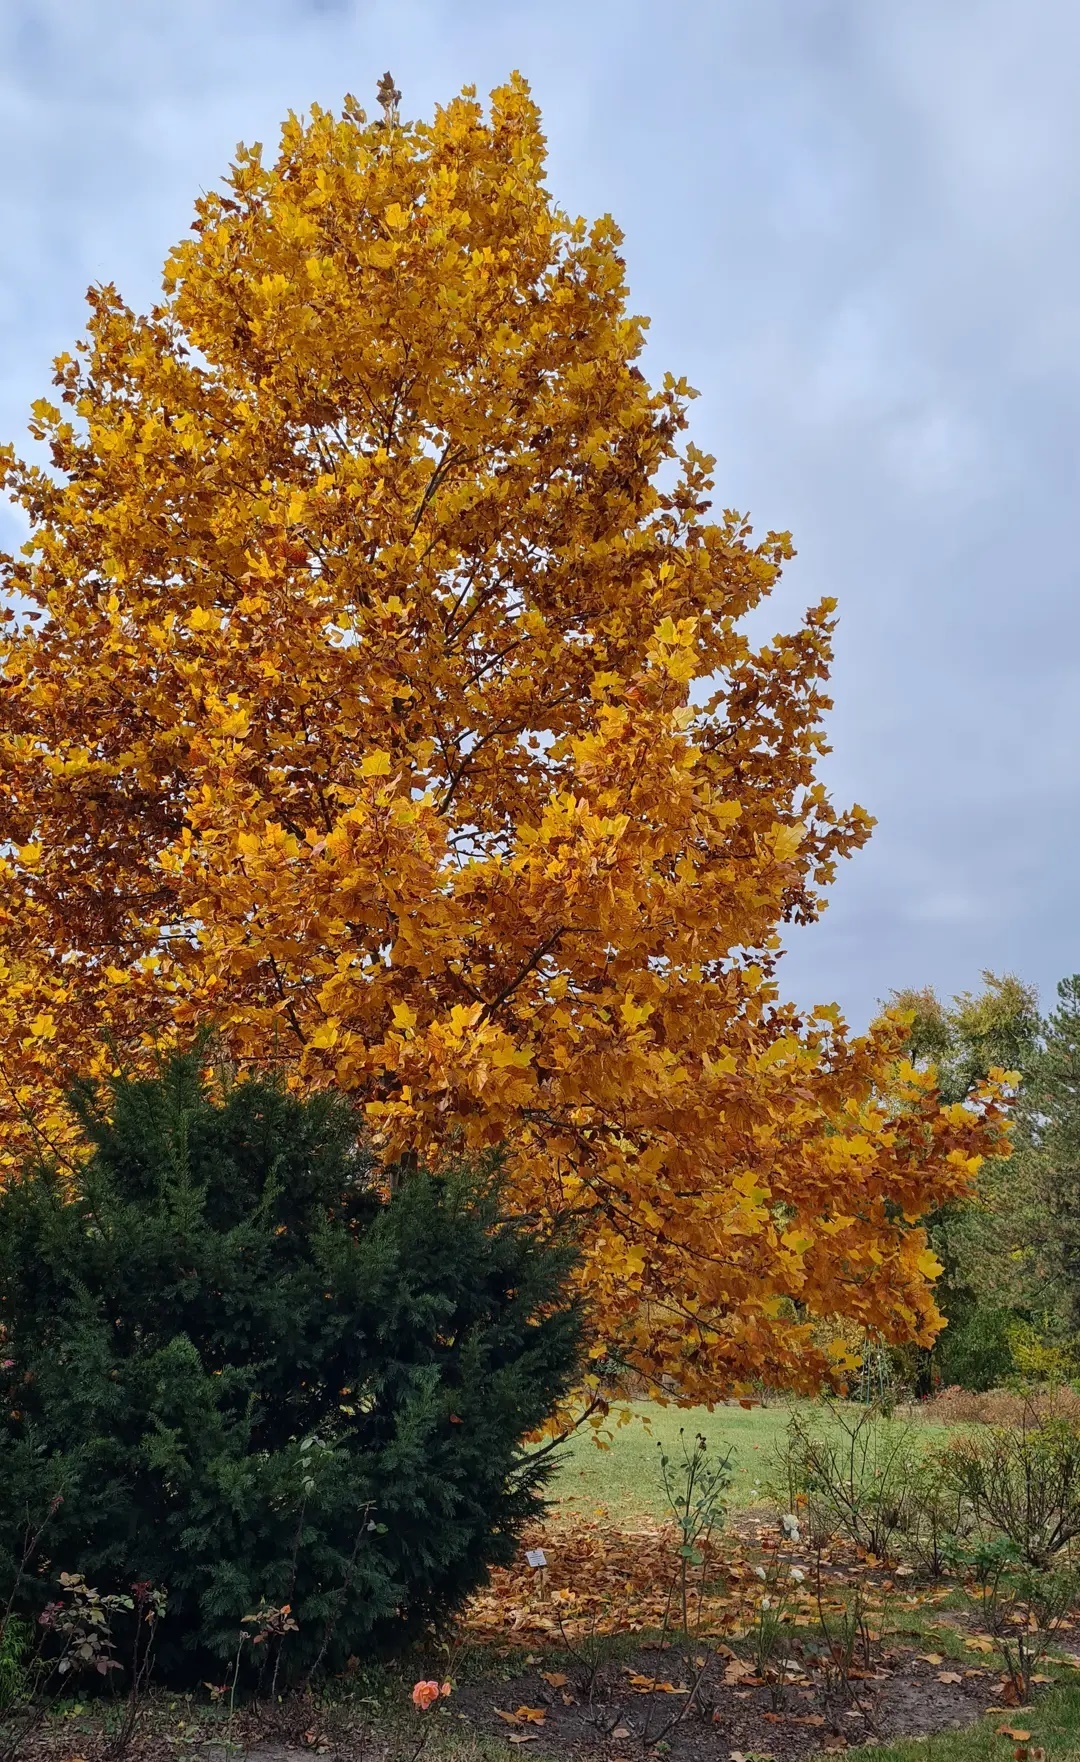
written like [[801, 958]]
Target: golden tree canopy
[[385, 701]]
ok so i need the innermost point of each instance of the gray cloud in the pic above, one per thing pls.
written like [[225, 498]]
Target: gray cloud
[[855, 229]]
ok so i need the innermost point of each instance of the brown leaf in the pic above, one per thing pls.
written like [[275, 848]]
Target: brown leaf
[[949, 1676], [737, 1671], [555, 1678], [522, 1737], [622, 1731], [510, 1718]]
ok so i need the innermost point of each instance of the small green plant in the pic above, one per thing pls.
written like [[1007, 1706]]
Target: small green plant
[[270, 1624], [695, 1489], [74, 1635], [768, 1635], [1022, 1605], [1043, 1600], [16, 1648], [81, 1627]]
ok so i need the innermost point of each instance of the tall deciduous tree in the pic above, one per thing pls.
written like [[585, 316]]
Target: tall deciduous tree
[[389, 706]]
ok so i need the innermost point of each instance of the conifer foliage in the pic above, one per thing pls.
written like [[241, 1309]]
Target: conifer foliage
[[257, 1374]]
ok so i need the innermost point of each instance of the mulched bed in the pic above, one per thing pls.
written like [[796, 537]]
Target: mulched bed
[[903, 1697], [618, 1717]]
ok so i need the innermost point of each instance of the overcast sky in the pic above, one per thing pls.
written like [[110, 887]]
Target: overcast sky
[[854, 225]]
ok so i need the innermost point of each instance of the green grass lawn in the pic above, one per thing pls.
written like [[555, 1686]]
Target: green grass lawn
[[1053, 1722], [625, 1479]]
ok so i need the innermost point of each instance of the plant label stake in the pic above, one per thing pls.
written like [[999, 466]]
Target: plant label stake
[[537, 1559]]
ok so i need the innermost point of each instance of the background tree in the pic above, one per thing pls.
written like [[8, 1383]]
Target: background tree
[[387, 703], [998, 1291], [1050, 1138], [254, 1378]]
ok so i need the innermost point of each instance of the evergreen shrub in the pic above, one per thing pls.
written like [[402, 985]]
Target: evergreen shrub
[[255, 1368]]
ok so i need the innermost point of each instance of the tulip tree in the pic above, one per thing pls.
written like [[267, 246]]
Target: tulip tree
[[384, 698]]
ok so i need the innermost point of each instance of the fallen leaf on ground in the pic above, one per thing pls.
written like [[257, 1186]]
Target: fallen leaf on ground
[[737, 1671], [979, 1643], [1013, 1731], [523, 1737], [622, 1731], [931, 1658], [530, 1715], [949, 1676], [554, 1678]]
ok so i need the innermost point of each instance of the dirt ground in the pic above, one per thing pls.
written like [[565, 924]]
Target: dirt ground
[[905, 1695]]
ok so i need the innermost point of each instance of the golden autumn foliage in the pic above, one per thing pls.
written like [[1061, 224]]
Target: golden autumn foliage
[[384, 700]]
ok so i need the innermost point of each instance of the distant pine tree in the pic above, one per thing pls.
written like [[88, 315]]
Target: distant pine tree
[[256, 1377]]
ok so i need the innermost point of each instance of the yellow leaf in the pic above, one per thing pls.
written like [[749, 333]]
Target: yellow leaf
[[376, 764], [785, 841]]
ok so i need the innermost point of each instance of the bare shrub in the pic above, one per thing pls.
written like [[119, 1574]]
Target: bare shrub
[[850, 1470], [1023, 1483]]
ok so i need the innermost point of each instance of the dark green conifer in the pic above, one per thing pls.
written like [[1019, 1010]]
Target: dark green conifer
[[255, 1377]]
